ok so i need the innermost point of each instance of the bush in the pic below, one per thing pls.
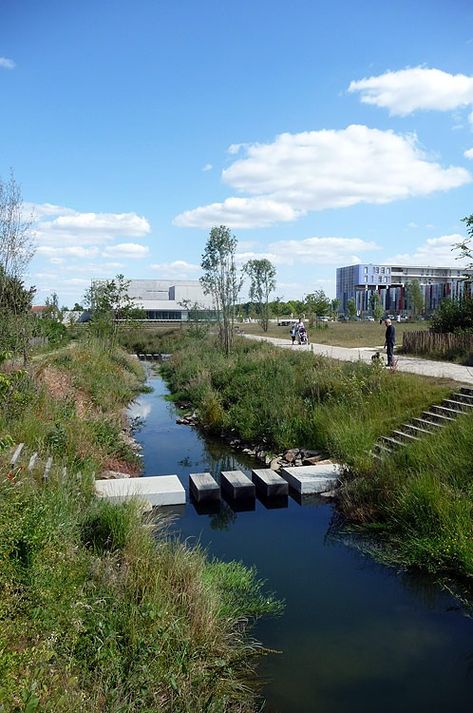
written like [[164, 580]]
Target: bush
[[453, 316]]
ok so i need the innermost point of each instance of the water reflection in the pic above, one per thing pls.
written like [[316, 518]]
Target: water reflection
[[356, 636]]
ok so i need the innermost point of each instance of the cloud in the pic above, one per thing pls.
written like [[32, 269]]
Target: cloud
[[316, 170], [69, 226], [436, 252], [6, 63], [407, 90], [315, 251], [179, 269], [207, 167], [237, 213], [128, 250], [67, 251], [469, 153]]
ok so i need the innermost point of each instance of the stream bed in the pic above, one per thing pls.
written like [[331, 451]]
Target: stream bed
[[355, 636]]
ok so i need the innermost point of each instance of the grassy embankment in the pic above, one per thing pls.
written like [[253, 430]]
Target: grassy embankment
[[419, 500], [98, 612], [342, 334]]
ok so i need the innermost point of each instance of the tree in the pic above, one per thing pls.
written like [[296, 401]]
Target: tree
[[376, 306], [110, 305], [221, 281], [317, 304], [416, 297], [16, 251], [351, 308], [464, 247], [262, 275], [334, 305]]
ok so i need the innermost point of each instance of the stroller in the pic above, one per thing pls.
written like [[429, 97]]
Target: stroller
[[303, 336]]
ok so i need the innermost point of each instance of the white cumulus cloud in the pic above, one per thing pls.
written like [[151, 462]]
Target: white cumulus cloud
[[436, 252], [407, 90], [313, 251], [178, 269], [128, 250], [316, 170], [6, 63], [237, 213], [469, 153], [67, 251], [69, 226]]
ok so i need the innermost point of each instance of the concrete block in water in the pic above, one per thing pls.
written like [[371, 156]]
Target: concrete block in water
[[158, 489], [203, 487], [237, 485], [269, 483], [313, 478]]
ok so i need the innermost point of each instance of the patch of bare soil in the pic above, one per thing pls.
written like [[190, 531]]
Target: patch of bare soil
[[60, 386]]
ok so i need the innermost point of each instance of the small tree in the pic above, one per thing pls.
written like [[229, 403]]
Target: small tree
[[262, 275], [317, 304], [464, 247], [110, 305], [16, 251], [416, 297], [376, 306], [351, 308], [334, 305], [221, 281]]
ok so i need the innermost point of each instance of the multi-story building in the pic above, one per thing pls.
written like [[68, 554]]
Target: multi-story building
[[168, 300], [360, 282]]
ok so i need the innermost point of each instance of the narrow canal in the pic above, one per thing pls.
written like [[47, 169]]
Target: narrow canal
[[355, 636]]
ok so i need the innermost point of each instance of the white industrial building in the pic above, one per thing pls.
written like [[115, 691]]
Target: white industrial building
[[169, 300]]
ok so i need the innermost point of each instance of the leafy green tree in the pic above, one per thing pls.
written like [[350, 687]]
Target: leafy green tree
[[351, 308], [111, 307], [262, 276], [317, 304], [465, 247], [334, 305], [416, 297], [221, 280], [376, 306]]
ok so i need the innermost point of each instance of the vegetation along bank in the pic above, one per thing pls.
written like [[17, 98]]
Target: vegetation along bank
[[418, 501], [99, 612]]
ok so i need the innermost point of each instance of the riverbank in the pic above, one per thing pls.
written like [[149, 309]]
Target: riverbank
[[419, 501], [100, 612]]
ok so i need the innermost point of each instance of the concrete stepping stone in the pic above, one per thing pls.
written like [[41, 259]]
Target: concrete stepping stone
[[237, 485], [203, 487], [269, 483], [307, 479], [158, 489]]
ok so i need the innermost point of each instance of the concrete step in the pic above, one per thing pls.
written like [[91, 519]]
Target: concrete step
[[269, 483], [437, 417], [445, 411], [468, 390], [157, 489], [237, 485], [306, 479], [407, 436], [429, 425], [203, 487], [464, 398], [393, 442], [416, 430], [384, 450], [457, 405]]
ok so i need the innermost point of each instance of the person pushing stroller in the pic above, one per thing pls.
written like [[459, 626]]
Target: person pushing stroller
[[302, 335]]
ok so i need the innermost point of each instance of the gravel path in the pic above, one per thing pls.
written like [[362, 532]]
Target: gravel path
[[424, 367]]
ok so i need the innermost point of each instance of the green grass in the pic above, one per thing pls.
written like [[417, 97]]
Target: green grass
[[99, 613], [419, 501], [287, 399], [341, 334]]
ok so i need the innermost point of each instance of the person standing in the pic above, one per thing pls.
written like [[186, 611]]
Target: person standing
[[293, 332], [389, 340]]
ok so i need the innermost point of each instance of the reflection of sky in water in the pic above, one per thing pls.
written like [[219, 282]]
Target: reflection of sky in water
[[356, 637], [139, 410]]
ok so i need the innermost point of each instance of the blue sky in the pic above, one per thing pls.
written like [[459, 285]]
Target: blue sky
[[322, 133]]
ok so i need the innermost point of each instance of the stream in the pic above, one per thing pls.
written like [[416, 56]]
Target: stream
[[355, 636]]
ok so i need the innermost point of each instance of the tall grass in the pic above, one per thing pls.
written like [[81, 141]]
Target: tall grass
[[97, 613], [419, 500], [289, 399]]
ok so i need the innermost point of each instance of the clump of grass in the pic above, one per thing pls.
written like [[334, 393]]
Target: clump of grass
[[99, 613]]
